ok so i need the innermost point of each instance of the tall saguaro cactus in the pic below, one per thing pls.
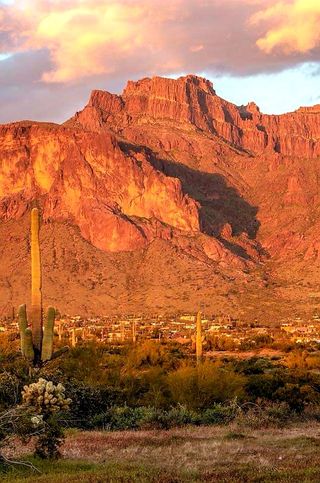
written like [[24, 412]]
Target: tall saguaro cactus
[[36, 340], [36, 295]]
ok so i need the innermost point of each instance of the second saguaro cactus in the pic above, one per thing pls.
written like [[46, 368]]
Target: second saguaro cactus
[[198, 338], [134, 331]]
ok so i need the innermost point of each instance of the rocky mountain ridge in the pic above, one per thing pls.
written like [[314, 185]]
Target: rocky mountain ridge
[[175, 198]]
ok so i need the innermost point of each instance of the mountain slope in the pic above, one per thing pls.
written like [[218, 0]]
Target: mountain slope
[[165, 198]]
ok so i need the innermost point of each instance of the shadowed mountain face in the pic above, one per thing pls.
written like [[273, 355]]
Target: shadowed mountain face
[[162, 199]]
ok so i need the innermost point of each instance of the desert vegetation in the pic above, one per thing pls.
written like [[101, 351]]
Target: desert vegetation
[[152, 388]]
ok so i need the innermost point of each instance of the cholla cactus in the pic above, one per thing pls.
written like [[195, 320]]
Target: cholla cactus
[[46, 397], [37, 421]]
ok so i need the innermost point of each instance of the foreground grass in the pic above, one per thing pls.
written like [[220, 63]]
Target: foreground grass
[[224, 454]]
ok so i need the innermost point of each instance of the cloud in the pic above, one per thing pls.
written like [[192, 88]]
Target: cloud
[[292, 26], [94, 37], [63, 48]]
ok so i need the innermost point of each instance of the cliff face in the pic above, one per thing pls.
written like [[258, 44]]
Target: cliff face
[[118, 200], [192, 101], [164, 198]]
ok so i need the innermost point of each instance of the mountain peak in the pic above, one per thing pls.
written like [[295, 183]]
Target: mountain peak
[[167, 86], [190, 101]]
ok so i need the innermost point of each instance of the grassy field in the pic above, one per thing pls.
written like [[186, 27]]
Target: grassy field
[[217, 454]]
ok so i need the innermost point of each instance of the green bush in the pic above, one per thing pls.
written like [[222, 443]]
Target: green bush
[[10, 390], [220, 414], [264, 386], [296, 396], [90, 401], [125, 418], [166, 419]]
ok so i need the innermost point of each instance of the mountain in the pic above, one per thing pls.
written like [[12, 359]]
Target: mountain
[[165, 198]]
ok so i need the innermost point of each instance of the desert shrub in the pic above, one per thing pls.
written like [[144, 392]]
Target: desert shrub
[[220, 413], [18, 422], [203, 386], [121, 418], [263, 340], [296, 396], [264, 415], [146, 388], [10, 390], [50, 439], [166, 419], [297, 360], [9, 344], [151, 354], [183, 386], [302, 361], [264, 386], [125, 418], [312, 412], [247, 345], [83, 363], [88, 401], [254, 365], [221, 343]]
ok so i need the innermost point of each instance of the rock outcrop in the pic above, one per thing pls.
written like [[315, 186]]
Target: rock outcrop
[[118, 200], [192, 100]]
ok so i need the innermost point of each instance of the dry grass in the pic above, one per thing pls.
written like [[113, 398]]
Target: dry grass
[[200, 448], [224, 454]]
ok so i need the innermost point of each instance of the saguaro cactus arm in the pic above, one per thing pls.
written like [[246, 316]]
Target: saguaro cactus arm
[[23, 324], [48, 335], [28, 346]]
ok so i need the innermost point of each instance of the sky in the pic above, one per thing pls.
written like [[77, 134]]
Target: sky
[[54, 52]]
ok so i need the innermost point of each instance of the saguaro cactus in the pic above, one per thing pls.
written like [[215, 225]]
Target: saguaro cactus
[[122, 331], [36, 295], [36, 341], [73, 338], [198, 338], [134, 331]]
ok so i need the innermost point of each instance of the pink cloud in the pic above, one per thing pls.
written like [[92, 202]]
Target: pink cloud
[[94, 37], [291, 26], [65, 48]]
